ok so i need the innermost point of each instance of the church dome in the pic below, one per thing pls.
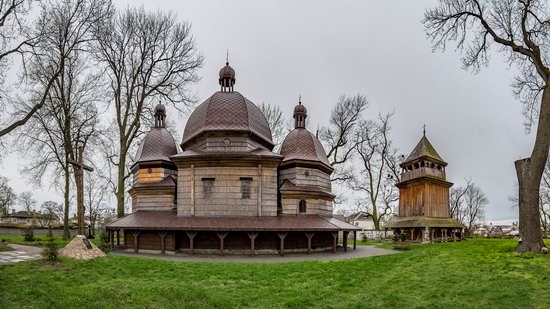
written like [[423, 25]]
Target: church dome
[[158, 144], [227, 112], [301, 145]]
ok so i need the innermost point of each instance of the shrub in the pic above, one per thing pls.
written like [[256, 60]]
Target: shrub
[[50, 253], [104, 242], [29, 233]]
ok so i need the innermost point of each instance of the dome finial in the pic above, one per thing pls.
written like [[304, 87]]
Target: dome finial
[[300, 114], [227, 76], [424, 130], [160, 116]]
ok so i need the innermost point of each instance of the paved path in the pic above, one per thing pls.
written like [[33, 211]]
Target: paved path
[[360, 252], [19, 254]]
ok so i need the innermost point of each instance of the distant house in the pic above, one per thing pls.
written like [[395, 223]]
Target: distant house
[[35, 218], [361, 219]]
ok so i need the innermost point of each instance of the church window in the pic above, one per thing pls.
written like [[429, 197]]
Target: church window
[[149, 171], [207, 185], [246, 187], [307, 173], [302, 206]]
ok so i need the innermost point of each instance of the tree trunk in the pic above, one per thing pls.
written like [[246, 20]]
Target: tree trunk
[[66, 233], [530, 229], [121, 184], [529, 172]]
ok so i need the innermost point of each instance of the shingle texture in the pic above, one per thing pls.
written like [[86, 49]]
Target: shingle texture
[[423, 149], [168, 220], [158, 145], [300, 144], [227, 111]]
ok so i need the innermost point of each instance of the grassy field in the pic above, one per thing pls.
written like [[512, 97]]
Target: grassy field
[[479, 273]]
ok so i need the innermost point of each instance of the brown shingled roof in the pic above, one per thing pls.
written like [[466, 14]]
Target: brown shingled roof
[[168, 220], [227, 111], [424, 149], [301, 145], [158, 145]]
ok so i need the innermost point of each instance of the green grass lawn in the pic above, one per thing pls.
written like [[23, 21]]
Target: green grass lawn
[[479, 273], [4, 248]]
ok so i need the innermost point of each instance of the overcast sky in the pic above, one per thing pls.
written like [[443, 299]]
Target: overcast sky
[[322, 49]]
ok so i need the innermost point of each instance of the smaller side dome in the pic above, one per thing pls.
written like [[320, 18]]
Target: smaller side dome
[[302, 147], [158, 144]]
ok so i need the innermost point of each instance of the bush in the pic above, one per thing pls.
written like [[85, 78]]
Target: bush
[[104, 242], [50, 253], [29, 233]]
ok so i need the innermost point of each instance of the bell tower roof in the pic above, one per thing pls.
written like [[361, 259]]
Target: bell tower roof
[[424, 150]]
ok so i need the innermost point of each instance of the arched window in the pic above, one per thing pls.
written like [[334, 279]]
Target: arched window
[[302, 206]]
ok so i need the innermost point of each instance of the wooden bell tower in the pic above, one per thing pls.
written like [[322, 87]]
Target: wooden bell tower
[[424, 197]]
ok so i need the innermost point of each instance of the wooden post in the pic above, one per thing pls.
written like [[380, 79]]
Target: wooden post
[[221, 236], [191, 235], [346, 241], [433, 234], [136, 243], [162, 243], [334, 241], [282, 238], [412, 234], [118, 237], [79, 167], [111, 239], [309, 236], [252, 237], [354, 240]]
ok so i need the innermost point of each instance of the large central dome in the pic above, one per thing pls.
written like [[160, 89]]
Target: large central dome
[[227, 112]]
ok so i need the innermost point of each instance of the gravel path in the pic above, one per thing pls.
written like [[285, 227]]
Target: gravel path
[[360, 252], [19, 254]]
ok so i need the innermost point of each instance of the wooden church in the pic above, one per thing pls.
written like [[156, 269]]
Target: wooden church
[[424, 198]]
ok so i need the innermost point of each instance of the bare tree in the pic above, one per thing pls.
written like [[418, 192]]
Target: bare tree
[[338, 137], [19, 41], [147, 56], [521, 30], [69, 117], [456, 201], [7, 196], [50, 212], [96, 199], [26, 201], [468, 204], [475, 201], [279, 127], [378, 170]]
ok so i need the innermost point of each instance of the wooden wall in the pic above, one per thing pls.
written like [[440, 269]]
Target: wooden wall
[[298, 176], [152, 175], [149, 240], [152, 200], [316, 206], [424, 199], [226, 191]]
